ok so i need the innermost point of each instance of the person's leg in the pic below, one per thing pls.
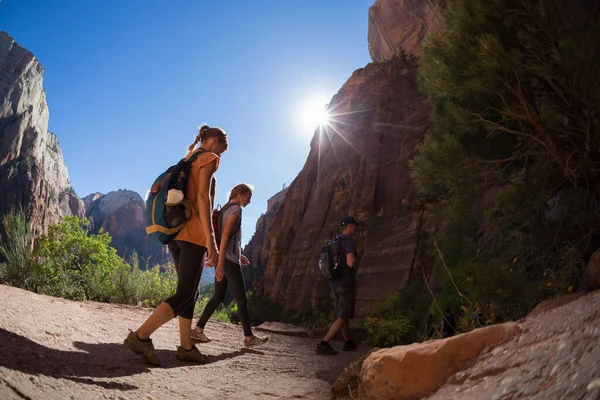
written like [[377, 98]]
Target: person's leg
[[233, 273], [189, 272], [164, 312], [324, 347], [334, 329], [139, 341], [216, 299], [236, 280], [345, 331]]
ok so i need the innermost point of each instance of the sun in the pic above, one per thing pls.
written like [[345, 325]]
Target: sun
[[314, 113]]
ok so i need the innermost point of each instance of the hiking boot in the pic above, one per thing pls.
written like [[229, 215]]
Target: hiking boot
[[349, 346], [192, 355], [142, 348], [199, 337], [255, 341], [325, 348]]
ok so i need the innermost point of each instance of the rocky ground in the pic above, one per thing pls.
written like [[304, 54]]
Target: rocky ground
[[556, 356], [52, 348]]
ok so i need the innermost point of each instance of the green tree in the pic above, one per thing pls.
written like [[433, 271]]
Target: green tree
[[511, 164], [77, 264]]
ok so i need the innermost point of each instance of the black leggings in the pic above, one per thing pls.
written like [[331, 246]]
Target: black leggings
[[233, 275], [188, 259]]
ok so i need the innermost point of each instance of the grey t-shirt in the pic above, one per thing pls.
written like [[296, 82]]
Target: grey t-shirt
[[234, 250]]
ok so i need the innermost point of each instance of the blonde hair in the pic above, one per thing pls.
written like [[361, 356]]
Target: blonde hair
[[242, 188], [205, 132]]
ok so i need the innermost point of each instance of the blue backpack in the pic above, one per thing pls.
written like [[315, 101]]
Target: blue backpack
[[164, 220]]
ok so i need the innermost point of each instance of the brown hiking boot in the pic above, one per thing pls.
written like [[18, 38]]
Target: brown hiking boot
[[144, 349], [255, 341], [192, 355]]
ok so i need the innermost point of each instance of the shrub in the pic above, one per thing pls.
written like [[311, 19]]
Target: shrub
[[18, 268], [387, 332]]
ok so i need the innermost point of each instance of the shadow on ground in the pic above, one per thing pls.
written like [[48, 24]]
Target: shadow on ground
[[94, 360]]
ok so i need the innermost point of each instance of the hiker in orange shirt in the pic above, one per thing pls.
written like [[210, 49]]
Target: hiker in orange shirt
[[195, 239]]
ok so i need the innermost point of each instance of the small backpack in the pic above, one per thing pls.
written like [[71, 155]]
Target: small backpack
[[163, 219], [217, 222], [329, 261]]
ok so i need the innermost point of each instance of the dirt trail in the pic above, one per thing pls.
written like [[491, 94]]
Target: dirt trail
[[52, 348]]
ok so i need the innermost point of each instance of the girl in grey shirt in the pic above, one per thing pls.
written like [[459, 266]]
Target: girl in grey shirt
[[228, 270]]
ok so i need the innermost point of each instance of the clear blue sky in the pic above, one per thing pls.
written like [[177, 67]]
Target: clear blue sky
[[129, 81]]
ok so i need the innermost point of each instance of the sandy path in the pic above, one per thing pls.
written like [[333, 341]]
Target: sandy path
[[52, 348]]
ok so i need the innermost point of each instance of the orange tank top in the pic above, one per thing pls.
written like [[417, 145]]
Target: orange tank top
[[192, 231]]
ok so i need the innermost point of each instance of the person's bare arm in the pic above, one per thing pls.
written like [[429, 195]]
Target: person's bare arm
[[350, 259], [204, 211], [230, 225]]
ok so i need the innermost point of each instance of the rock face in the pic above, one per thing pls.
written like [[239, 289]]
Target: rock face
[[356, 166], [396, 25], [33, 174], [258, 248], [123, 215]]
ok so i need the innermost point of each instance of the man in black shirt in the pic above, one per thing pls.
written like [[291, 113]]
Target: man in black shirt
[[344, 289]]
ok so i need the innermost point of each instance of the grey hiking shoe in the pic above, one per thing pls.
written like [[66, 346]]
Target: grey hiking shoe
[[144, 349], [255, 341], [192, 355], [199, 337]]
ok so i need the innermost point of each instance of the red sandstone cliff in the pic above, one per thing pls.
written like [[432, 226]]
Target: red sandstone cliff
[[396, 25], [123, 215], [359, 166], [356, 166]]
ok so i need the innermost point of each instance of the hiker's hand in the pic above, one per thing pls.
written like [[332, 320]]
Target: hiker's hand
[[212, 254], [220, 271], [244, 260]]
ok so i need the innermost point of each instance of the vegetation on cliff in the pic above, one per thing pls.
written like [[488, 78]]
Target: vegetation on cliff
[[511, 164]]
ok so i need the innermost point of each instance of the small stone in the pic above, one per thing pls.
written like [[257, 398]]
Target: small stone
[[593, 385], [509, 380], [539, 354], [562, 345], [529, 390]]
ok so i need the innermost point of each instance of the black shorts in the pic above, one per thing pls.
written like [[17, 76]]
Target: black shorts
[[343, 298]]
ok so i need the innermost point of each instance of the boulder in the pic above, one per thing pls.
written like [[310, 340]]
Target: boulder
[[413, 371], [590, 280]]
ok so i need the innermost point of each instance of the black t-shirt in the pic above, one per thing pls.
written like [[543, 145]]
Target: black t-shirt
[[347, 246]]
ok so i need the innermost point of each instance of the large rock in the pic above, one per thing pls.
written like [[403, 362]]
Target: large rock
[[402, 25], [413, 371], [123, 215], [590, 280], [356, 166], [33, 174]]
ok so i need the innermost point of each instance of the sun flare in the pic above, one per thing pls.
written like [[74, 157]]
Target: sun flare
[[314, 114]]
